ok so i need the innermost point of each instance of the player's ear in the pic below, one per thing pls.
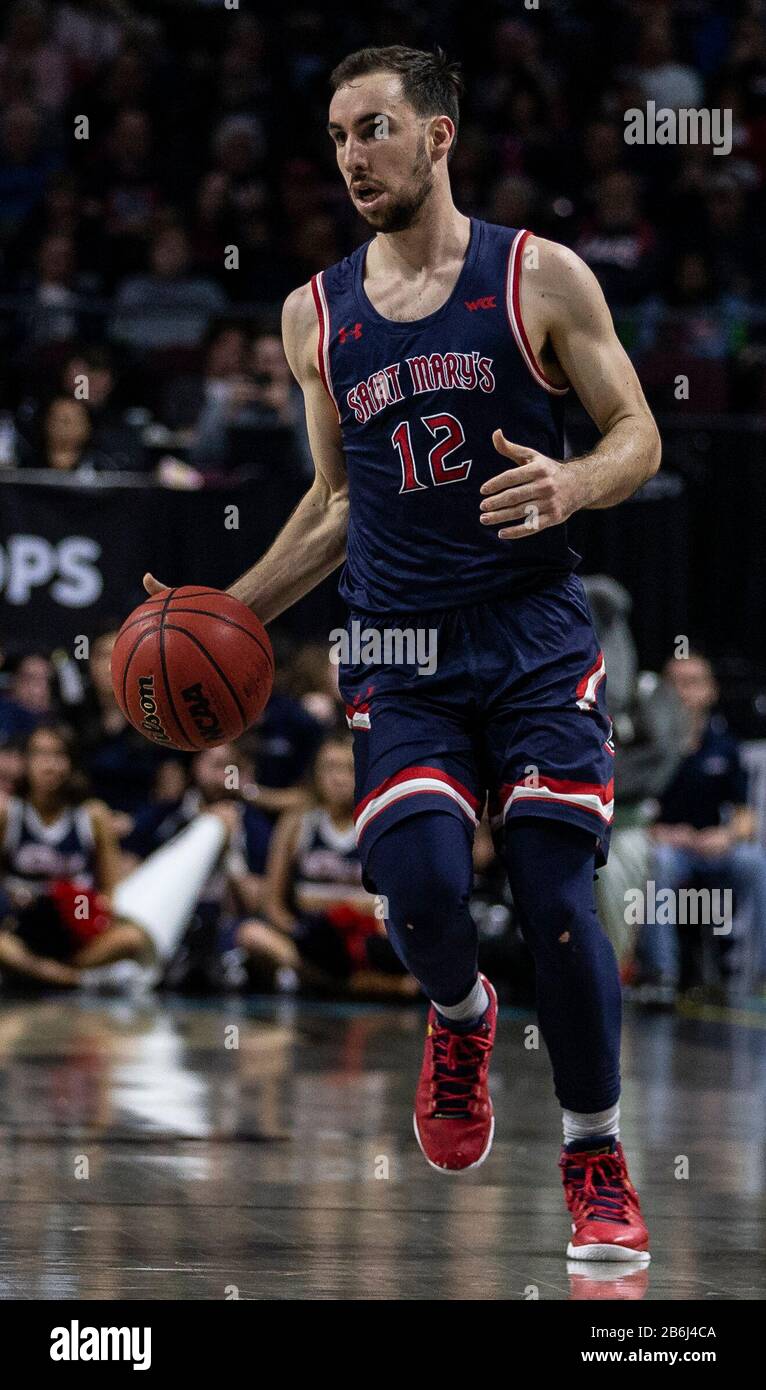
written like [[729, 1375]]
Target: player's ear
[[440, 136]]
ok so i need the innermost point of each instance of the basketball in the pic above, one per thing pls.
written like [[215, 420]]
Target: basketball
[[192, 667]]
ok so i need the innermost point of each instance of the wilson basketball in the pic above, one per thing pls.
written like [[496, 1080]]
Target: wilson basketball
[[192, 668]]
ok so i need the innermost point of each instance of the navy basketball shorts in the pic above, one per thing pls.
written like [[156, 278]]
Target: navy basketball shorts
[[499, 704]]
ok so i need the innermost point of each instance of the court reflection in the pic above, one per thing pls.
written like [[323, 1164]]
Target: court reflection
[[187, 1150]]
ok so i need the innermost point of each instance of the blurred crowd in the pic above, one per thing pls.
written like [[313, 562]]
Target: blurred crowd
[[85, 800], [166, 179]]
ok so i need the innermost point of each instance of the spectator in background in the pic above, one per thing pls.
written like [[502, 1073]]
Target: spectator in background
[[24, 164], [262, 398], [62, 212], [267, 274], [55, 294], [245, 78], [512, 201], [238, 151], [11, 765], [693, 318], [29, 700], [88, 34], [287, 736], [234, 890], [30, 59], [130, 78], [736, 250], [114, 435], [664, 79], [121, 765], [704, 826], [195, 400], [125, 184], [168, 307], [67, 441], [618, 243], [314, 681], [603, 151], [313, 245], [321, 928], [57, 848], [648, 729]]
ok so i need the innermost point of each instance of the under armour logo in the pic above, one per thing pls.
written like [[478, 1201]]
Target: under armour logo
[[488, 302], [345, 333]]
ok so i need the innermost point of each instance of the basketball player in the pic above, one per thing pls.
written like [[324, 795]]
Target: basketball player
[[435, 362]]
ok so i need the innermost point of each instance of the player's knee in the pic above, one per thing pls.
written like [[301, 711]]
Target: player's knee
[[559, 923], [422, 867], [567, 922], [131, 941], [429, 894]]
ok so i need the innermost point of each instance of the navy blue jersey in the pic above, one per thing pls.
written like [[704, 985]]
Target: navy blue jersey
[[326, 865], [417, 404], [709, 782], [34, 852]]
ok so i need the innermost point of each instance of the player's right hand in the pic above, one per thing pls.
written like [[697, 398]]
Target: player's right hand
[[153, 585]]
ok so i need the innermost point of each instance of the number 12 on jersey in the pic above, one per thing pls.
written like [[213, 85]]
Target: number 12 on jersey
[[449, 435]]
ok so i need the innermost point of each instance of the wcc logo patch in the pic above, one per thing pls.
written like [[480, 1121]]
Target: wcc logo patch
[[488, 301]]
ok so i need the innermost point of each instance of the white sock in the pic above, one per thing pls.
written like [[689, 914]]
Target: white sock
[[470, 1009], [581, 1126], [161, 894]]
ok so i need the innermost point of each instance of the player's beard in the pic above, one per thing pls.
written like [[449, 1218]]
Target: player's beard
[[402, 211]]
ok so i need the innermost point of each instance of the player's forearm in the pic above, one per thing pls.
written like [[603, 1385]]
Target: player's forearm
[[621, 462], [311, 544]]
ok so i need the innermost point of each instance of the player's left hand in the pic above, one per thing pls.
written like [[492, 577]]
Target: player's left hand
[[535, 493]]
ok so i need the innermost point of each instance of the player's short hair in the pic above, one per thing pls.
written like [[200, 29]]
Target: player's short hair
[[430, 82]]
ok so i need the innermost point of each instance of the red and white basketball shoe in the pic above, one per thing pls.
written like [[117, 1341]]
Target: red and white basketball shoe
[[606, 1215], [454, 1120]]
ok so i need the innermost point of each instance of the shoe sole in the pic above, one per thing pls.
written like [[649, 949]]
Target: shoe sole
[[607, 1253], [438, 1168]]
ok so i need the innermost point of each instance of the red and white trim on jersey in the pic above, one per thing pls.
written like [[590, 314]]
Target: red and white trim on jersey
[[587, 688], [593, 797], [358, 716], [323, 346], [414, 781], [513, 306]]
